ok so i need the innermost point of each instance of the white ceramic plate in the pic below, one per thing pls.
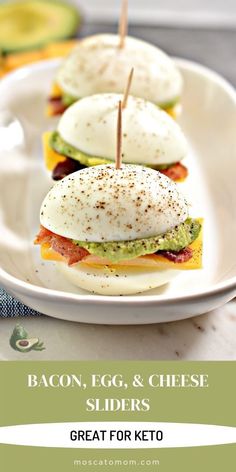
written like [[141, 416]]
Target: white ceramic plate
[[209, 122]]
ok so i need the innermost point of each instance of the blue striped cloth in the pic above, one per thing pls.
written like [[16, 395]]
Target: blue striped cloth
[[10, 307]]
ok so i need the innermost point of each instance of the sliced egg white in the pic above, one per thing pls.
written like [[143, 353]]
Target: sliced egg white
[[100, 204], [99, 65], [150, 136], [105, 281]]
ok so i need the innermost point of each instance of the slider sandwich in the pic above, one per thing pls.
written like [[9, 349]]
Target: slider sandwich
[[101, 63], [119, 231], [85, 137]]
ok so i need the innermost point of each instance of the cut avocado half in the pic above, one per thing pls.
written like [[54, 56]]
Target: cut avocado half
[[177, 239], [29, 25], [26, 345], [65, 149]]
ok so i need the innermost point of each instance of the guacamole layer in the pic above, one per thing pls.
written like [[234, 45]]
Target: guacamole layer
[[69, 100], [177, 239]]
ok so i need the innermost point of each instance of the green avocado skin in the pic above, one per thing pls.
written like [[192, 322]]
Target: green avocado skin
[[175, 240], [18, 334], [65, 149]]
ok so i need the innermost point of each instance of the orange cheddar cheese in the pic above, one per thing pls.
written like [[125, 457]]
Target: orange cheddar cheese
[[49, 254], [61, 48], [51, 157], [55, 90]]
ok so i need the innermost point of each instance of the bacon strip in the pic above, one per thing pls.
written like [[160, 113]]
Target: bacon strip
[[67, 167], [44, 236], [178, 257], [57, 107], [176, 172], [63, 246]]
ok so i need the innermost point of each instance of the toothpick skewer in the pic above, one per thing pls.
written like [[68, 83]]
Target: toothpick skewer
[[123, 24], [1, 58], [127, 89], [119, 137], [121, 106]]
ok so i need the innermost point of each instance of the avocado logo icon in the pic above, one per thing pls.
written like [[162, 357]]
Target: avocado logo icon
[[20, 341]]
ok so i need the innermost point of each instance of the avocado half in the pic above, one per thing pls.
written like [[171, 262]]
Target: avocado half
[[26, 345], [29, 25]]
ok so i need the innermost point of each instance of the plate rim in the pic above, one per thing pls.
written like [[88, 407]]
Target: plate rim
[[9, 282]]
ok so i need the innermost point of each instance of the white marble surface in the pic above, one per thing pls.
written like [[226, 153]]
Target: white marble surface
[[209, 337]]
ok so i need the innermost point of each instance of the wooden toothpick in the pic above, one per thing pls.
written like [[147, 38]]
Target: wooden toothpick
[[1, 58], [127, 89], [119, 137], [123, 24]]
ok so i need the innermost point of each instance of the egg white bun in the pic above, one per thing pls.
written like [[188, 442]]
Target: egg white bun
[[98, 65], [150, 136], [117, 282], [101, 204]]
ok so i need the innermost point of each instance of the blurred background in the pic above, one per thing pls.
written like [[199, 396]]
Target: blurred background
[[200, 30], [165, 12]]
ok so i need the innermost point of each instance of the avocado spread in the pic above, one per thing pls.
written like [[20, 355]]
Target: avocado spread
[[62, 147], [69, 100], [170, 104], [175, 240]]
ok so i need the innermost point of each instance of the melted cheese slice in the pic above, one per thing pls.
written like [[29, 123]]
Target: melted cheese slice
[[49, 254], [56, 90]]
